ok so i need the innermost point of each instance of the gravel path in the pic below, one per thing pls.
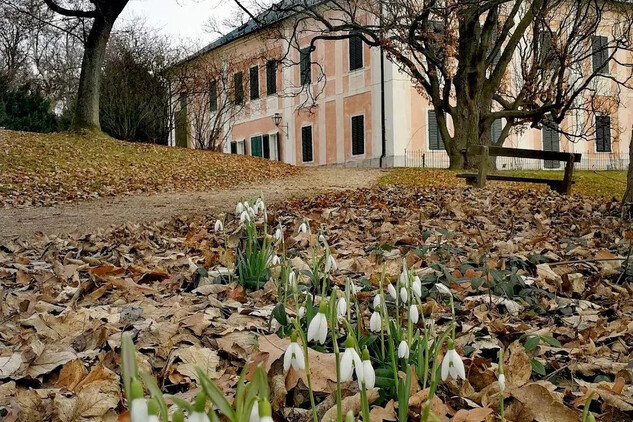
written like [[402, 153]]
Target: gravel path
[[87, 217]]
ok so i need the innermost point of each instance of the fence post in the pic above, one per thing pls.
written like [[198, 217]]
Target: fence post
[[423, 160]]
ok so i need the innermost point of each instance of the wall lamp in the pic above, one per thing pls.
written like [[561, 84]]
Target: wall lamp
[[277, 120]]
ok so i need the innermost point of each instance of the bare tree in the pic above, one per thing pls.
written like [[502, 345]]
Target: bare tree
[[528, 62]]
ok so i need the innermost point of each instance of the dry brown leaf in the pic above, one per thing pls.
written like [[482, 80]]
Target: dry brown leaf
[[71, 374], [351, 403], [387, 413], [481, 414], [543, 405], [202, 358]]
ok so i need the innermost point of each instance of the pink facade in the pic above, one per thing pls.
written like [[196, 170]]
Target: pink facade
[[346, 122]]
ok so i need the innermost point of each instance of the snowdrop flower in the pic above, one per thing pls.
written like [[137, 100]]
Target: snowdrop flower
[[254, 417], [377, 301], [414, 314], [275, 260], [294, 355], [292, 280], [303, 228], [416, 287], [403, 350], [198, 417], [138, 410], [404, 278], [350, 361], [198, 414], [404, 295], [278, 234], [452, 365], [341, 307], [322, 240], [502, 382], [368, 377], [375, 322], [330, 264], [392, 291], [274, 325], [302, 312], [261, 412], [244, 217], [443, 289], [152, 408], [218, 226], [252, 211], [239, 208], [317, 330], [260, 204]]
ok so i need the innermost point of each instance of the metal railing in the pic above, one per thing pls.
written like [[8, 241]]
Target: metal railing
[[440, 160]]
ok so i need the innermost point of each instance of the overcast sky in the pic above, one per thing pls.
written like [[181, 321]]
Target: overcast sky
[[182, 19]]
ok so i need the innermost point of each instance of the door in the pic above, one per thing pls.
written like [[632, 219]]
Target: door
[[551, 142], [256, 146]]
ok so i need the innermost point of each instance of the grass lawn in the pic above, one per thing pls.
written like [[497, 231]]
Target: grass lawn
[[43, 169], [609, 184]]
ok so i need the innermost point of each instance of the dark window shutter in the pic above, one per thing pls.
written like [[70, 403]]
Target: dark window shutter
[[256, 146], [358, 135], [355, 52], [551, 142], [305, 67], [306, 143], [603, 134], [238, 86], [271, 77], [254, 82], [435, 138], [600, 54], [213, 96], [266, 145], [233, 147]]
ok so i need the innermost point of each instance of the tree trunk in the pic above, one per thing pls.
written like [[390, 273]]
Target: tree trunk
[[628, 194], [86, 115]]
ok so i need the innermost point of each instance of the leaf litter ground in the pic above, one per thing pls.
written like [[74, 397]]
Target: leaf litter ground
[[535, 273]]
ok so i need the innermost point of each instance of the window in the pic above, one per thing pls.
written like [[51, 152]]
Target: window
[[213, 95], [271, 77], [495, 130], [600, 54], [183, 101], [551, 142], [545, 47], [358, 135], [435, 138], [306, 144], [603, 133], [305, 67], [237, 147], [355, 52], [238, 86], [256, 146], [274, 147], [253, 81]]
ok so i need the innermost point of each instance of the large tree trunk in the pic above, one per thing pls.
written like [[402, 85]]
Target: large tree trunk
[[86, 115], [628, 194]]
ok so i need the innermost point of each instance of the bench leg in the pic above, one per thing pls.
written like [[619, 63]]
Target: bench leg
[[567, 180], [483, 167]]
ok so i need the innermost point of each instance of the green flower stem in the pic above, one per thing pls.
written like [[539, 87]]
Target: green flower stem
[[364, 403], [334, 324], [385, 320], [382, 319], [304, 340]]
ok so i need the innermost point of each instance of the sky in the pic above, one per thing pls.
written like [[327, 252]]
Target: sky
[[181, 19]]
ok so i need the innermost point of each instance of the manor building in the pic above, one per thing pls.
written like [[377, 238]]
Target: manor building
[[345, 103]]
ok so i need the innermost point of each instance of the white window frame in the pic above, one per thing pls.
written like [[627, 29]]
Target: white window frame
[[351, 137], [276, 143], [241, 143]]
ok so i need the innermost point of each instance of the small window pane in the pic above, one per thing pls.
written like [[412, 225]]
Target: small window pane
[[238, 86], [254, 82], [600, 54], [603, 134], [305, 66], [271, 77], [355, 52], [306, 144], [213, 96]]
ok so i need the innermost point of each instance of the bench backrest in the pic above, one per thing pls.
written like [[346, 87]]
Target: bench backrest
[[493, 151]]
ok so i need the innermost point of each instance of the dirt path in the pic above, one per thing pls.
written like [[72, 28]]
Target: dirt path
[[89, 216]]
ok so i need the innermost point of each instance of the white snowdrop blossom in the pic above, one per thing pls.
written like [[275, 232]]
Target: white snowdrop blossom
[[292, 280], [275, 260], [218, 226], [302, 312], [198, 417], [502, 382], [416, 287], [368, 376], [260, 204], [375, 322], [330, 264], [443, 289], [244, 217], [350, 361], [404, 278], [322, 240], [274, 325], [452, 366], [414, 314], [139, 411], [153, 418], [403, 350], [278, 234], [404, 295], [294, 357], [377, 301], [303, 228], [341, 307], [317, 330], [239, 208], [254, 417], [392, 291]]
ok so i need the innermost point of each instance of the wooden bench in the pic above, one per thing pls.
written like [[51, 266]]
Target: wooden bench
[[485, 152]]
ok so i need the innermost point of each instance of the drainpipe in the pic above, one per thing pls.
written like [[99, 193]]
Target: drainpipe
[[383, 129]]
